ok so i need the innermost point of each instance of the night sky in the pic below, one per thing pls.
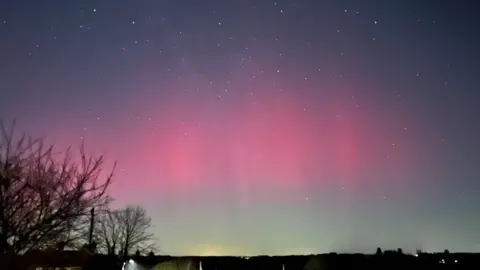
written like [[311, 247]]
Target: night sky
[[263, 127]]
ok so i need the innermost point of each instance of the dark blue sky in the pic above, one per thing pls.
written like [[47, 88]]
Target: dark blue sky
[[249, 127]]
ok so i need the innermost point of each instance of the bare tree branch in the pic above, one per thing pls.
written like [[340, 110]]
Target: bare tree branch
[[45, 197]]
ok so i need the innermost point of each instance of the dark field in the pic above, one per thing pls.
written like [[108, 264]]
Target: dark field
[[318, 262]]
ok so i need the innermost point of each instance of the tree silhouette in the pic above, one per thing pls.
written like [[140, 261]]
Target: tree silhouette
[[45, 197], [127, 229], [400, 251], [379, 251], [108, 232]]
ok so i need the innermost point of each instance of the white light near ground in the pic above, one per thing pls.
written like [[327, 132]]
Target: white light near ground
[[129, 265]]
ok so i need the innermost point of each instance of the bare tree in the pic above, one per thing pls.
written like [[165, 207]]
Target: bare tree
[[108, 232], [46, 196], [136, 225], [126, 229]]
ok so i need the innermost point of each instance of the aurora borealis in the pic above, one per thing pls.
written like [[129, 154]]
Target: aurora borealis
[[263, 127]]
